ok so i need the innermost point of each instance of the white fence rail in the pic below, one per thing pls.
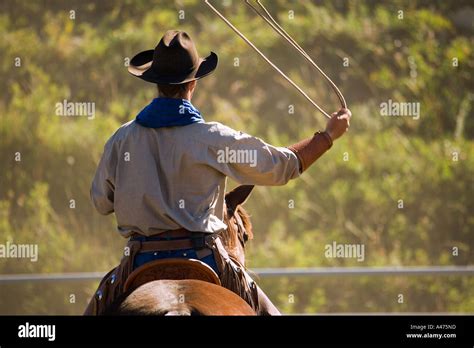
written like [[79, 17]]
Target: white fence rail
[[268, 273]]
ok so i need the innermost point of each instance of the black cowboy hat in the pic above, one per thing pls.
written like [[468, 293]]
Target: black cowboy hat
[[175, 60]]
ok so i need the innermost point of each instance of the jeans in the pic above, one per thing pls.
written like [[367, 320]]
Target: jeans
[[144, 257]]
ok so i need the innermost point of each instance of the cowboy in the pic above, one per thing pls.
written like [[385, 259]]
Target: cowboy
[[164, 175]]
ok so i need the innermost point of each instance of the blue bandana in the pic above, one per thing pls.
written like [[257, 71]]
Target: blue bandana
[[168, 112]]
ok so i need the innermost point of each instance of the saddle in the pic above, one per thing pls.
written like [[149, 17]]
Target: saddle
[[174, 268]]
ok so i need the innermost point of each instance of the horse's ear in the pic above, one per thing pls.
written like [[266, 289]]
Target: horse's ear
[[237, 196]]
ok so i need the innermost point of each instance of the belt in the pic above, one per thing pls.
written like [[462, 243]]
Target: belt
[[188, 240], [179, 233]]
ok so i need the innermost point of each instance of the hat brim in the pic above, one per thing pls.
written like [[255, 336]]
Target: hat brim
[[140, 66]]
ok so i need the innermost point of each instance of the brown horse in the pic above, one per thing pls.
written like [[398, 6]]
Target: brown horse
[[196, 297]]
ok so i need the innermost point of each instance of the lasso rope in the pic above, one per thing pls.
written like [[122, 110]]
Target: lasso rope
[[274, 24]]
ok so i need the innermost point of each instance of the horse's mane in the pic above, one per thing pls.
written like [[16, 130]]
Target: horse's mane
[[231, 237]]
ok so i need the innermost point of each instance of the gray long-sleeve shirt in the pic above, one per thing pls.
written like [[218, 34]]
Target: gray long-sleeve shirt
[[158, 179]]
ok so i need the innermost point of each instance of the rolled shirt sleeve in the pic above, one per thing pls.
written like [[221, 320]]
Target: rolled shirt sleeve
[[249, 160]]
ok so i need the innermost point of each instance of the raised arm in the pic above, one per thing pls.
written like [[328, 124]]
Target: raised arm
[[249, 160]]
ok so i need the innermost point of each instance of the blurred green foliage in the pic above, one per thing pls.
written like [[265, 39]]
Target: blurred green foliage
[[425, 57]]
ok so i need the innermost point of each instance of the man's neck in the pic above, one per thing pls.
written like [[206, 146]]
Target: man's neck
[[185, 97]]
